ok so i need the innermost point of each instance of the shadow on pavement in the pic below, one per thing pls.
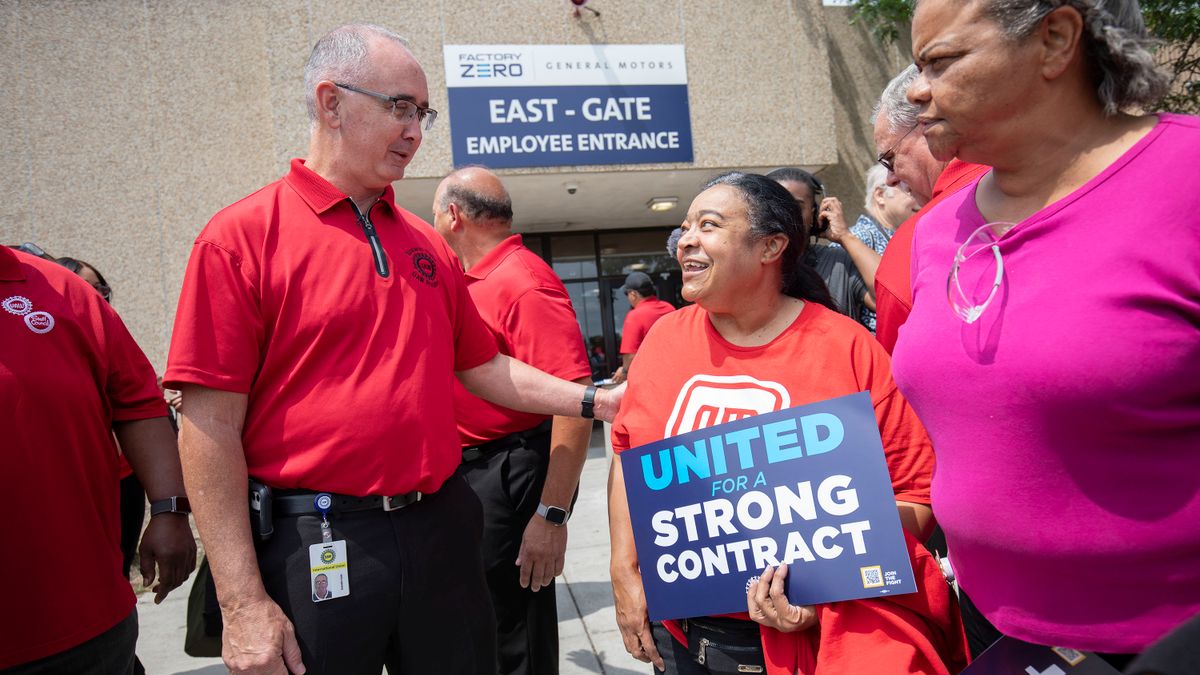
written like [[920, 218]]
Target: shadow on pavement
[[207, 670], [586, 660]]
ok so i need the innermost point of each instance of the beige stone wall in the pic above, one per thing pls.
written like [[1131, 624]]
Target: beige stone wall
[[129, 123], [860, 67]]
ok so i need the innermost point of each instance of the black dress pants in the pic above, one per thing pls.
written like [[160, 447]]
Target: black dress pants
[[509, 484], [418, 601]]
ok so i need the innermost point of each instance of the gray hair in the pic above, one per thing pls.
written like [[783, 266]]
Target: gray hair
[[673, 241], [876, 178], [1115, 41], [340, 56], [894, 105], [476, 205]]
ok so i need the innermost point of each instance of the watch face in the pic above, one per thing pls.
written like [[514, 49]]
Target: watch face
[[556, 515]]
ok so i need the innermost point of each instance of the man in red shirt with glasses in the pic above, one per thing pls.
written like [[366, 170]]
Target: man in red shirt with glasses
[[320, 330], [905, 154]]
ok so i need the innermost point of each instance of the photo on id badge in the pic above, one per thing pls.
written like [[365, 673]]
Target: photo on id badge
[[329, 570]]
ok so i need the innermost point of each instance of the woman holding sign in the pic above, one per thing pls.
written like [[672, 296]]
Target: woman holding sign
[[763, 337], [1053, 348]]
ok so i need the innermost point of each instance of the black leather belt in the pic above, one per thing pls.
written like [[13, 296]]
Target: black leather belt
[[301, 503], [509, 442], [720, 624]]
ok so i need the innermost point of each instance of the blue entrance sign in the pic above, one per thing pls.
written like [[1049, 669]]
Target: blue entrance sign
[[807, 486], [556, 105]]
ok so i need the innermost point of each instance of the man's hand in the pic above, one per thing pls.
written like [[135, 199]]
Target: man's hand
[[831, 211], [619, 376], [608, 402], [629, 599], [543, 549], [167, 542], [259, 640], [769, 606]]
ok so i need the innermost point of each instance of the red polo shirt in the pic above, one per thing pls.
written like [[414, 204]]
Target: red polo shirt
[[639, 320], [893, 283], [68, 370], [349, 374], [527, 308]]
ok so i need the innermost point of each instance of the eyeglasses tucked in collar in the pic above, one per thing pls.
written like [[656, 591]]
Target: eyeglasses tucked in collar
[[403, 109], [888, 158]]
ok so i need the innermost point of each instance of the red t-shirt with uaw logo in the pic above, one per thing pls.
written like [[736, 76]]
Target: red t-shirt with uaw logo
[[349, 373], [688, 377], [69, 369]]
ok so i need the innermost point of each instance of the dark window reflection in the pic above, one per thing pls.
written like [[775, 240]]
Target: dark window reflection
[[574, 256], [643, 251]]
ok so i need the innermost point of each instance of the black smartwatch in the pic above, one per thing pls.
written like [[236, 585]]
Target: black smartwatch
[[170, 505], [587, 407], [553, 514]]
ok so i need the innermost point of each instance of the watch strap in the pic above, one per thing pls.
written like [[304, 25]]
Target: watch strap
[[170, 505], [587, 407]]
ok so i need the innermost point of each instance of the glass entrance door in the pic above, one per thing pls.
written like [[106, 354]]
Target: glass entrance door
[[593, 267]]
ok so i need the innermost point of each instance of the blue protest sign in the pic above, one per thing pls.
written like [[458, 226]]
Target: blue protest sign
[[556, 105], [807, 486], [1012, 656]]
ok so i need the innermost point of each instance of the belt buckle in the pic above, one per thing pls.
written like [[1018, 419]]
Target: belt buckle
[[389, 506]]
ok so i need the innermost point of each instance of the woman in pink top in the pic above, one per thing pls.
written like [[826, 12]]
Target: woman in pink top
[[1053, 350]]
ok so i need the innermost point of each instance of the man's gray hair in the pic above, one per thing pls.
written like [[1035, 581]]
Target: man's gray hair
[[340, 56], [476, 205], [894, 105], [876, 178], [1115, 41]]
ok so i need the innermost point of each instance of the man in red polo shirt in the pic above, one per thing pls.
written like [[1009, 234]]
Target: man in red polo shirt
[[905, 154], [646, 308], [71, 377], [319, 332], [524, 468]]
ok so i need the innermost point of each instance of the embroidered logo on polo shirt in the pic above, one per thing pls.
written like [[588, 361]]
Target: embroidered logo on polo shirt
[[39, 322], [424, 266], [17, 304]]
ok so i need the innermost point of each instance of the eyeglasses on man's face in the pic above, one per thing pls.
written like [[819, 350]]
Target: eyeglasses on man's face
[[402, 109], [888, 158]]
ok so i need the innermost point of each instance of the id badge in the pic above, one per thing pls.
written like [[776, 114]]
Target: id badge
[[329, 570]]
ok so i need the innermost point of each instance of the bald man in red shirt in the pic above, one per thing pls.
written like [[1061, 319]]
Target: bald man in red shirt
[[525, 468]]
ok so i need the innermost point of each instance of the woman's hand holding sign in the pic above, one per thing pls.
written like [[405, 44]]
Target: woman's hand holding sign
[[768, 604]]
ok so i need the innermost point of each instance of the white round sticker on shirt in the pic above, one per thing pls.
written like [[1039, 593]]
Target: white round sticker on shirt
[[39, 322]]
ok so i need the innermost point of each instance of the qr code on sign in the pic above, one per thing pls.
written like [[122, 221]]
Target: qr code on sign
[[872, 577]]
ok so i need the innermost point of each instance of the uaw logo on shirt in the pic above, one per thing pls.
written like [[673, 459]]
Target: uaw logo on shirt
[[19, 305], [709, 400], [424, 266]]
